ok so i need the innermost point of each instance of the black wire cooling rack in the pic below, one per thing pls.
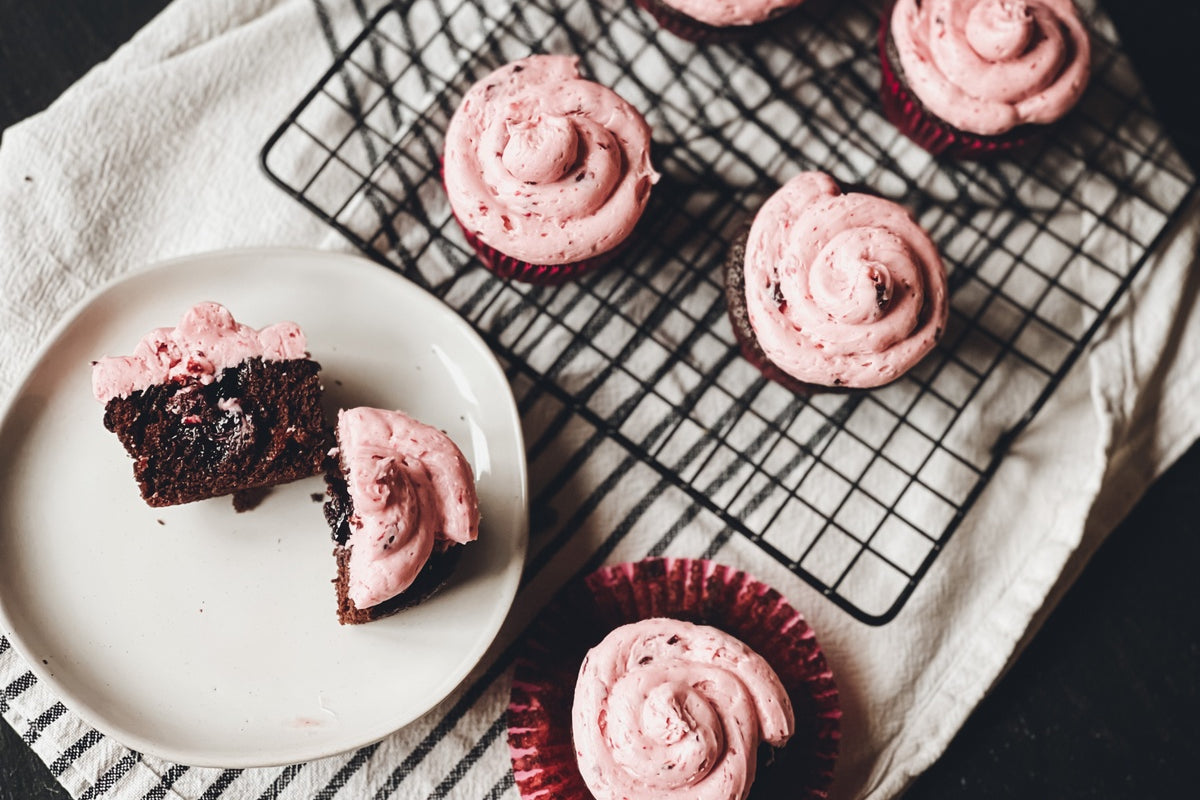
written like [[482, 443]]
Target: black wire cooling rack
[[856, 494]]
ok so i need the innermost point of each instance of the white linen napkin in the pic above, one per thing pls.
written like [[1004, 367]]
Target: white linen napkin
[[153, 155]]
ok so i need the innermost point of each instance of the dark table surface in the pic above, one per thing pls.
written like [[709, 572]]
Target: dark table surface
[[1103, 703]]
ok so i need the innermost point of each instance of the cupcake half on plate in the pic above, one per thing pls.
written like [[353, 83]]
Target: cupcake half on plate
[[402, 502]]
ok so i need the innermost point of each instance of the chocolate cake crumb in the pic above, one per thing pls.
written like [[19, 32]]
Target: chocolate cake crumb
[[249, 499]]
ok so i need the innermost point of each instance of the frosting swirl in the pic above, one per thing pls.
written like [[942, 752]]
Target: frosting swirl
[[207, 340], [987, 66], [545, 166], [666, 708], [842, 289], [722, 13], [411, 489]]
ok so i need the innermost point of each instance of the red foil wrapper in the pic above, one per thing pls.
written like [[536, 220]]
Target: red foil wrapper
[[692, 29], [703, 592], [902, 108], [506, 266]]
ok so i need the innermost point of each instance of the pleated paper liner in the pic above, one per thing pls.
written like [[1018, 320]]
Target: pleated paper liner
[[693, 30], [703, 592], [516, 269], [507, 266]]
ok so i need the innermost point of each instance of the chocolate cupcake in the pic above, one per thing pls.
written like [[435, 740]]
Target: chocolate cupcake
[[214, 407], [680, 618], [547, 173], [703, 21], [402, 501], [666, 705], [969, 79], [832, 290]]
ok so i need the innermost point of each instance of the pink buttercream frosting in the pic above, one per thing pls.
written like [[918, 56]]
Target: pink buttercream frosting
[[664, 708], [987, 66], [722, 13], [842, 289], [545, 166], [207, 340], [412, 490]]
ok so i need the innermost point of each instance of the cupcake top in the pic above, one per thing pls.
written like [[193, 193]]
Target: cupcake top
[[664, 708], [842, 289], [207, 340], [545, 166], [987, 66], [722, 13], [411, 490]]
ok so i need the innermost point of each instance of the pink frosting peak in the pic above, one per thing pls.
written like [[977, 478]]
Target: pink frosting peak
[[721, 13], [987, 66], [667, 709], [207, 340], [412, 490], [545, 166], [842, 289]]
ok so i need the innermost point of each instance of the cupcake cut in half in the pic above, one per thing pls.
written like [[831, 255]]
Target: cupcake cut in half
[[979, 78], [834, 290], [706, 21], [214, 407], [546, 172], [402, 500]]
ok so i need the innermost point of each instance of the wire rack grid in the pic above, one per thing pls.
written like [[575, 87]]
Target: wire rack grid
[[855, 493]]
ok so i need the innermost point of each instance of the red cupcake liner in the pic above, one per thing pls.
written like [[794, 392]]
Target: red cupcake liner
[[507, 266], [902, 108], [692, 29], [703, 592]]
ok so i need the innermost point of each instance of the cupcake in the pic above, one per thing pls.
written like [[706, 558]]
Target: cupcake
[[704, 21], [547, 173], [977, 78], [665, 705], [707, 668], [402, 501], [833, 290]]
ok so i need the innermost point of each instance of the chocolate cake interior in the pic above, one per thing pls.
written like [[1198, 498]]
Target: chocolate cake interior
[[259, 424], [339, 508]]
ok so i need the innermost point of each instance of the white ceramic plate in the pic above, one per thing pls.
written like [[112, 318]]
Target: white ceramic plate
[[209, 637]]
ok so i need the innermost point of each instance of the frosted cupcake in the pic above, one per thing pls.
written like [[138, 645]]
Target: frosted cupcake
[[835, 290], [976, 78], [704, 21], [667, 708], [672, 678], [547, 173]]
